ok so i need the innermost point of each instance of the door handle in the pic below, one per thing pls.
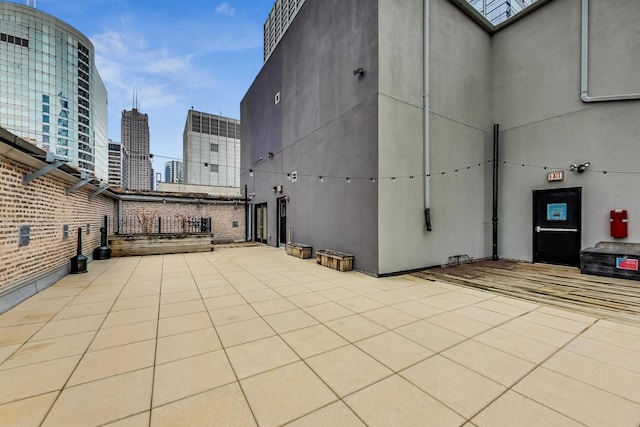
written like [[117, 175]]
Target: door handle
[[570, 230]]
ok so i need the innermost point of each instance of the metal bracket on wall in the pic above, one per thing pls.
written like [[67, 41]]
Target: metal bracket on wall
[[53, 164], [85, 180], [100, 190]]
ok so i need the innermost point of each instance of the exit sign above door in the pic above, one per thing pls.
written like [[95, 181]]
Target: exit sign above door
[[555, 176]]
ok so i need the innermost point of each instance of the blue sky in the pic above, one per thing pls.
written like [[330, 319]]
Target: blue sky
[[174, 54]]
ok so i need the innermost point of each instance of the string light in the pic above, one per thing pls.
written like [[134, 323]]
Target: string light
[[394, 178]]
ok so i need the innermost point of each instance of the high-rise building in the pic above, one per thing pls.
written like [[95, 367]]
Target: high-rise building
[[51, 93], [173, 172], [115, 164], [211, 150], [135, 138], [276, 25]]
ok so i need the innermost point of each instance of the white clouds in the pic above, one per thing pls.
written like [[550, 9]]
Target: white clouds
[[225, 9], [126, 62], [173, 60]]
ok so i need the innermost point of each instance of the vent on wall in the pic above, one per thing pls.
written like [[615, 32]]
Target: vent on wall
[[276, 99], [25, 235]]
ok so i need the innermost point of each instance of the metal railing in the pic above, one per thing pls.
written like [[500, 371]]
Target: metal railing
[[157, 225]]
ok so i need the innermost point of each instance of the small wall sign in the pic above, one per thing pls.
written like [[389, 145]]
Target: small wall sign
[[557, 212], [555, 176]]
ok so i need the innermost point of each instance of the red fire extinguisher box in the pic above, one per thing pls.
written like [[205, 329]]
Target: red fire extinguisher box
[[619, 221]]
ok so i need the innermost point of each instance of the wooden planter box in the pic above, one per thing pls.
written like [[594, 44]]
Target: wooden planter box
[[299, 250], [612, 259], [159, 244], [336, 260]]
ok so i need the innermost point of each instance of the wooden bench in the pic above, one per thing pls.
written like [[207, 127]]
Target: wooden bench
[[612, 259], [334, 259], [299, 250]]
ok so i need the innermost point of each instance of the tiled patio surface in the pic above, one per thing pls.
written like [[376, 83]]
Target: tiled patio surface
[[246, 336]]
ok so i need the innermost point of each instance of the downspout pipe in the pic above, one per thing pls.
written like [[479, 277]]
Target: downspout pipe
[[246, 214], [496, 158], [584, 71], [427, 149]]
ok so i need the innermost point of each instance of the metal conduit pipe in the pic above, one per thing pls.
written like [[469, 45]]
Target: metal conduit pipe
[[427, 149], [584, 71]]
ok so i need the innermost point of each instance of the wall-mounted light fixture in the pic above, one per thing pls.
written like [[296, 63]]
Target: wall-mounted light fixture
[[270, 155], [358, 72], [250, 172], [579, 167]]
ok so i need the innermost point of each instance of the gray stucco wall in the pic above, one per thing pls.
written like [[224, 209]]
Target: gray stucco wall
[[324, 125], [536, 98], [459, 121]]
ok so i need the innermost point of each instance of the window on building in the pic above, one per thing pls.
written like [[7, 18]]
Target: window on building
[[213, 168], [45, 98], [45, 128], [45, 108], [45, 118], [214, 148]]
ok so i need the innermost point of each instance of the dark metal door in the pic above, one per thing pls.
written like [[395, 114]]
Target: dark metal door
[[261, 223], [557, 226], [282, 221]]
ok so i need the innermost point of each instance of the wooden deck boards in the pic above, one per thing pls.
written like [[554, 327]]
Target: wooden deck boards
[[564, 287]]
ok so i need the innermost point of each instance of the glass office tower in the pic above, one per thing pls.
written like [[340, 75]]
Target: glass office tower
[[51, 93]]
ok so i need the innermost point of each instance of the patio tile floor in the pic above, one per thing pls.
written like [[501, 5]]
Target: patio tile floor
[[250, 336]]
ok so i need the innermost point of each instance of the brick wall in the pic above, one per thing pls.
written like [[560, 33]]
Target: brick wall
[[223, 214], [43, 206]]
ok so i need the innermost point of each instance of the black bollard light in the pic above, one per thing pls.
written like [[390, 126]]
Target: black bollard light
[[103, 252], [79, 262]]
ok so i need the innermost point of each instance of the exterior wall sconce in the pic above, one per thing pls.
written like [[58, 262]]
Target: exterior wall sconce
[[579, 167], [358, 72], [270, 155]]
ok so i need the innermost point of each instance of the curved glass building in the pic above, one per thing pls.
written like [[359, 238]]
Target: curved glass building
[[51, 93]]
